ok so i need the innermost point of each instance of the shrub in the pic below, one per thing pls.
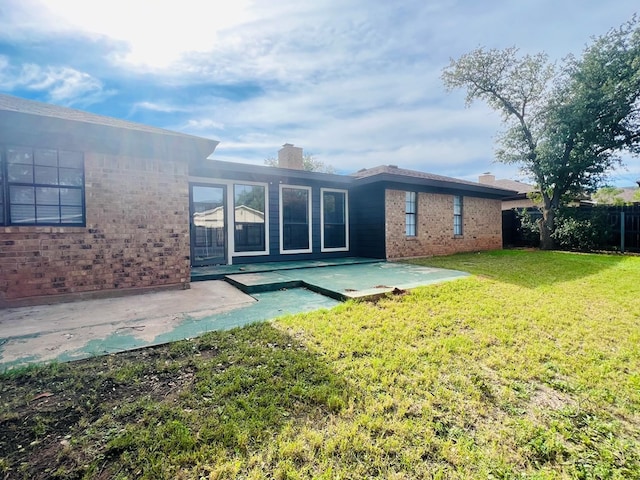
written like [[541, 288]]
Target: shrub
[[582, 229]]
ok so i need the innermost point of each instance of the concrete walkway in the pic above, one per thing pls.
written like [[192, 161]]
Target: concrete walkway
[[70, 331]]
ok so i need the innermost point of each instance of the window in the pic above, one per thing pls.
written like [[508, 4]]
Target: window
[[249, 218], [42, 186], [335, 220], [295, 219], [410, 214], [457, 215]]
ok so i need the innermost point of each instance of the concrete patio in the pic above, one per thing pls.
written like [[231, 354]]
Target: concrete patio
[[70, 331]]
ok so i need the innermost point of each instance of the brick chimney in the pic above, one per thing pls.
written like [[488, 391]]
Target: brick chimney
[[487, 178], [290, 157]]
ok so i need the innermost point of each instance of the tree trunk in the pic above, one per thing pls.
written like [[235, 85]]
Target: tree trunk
[[546, 228]]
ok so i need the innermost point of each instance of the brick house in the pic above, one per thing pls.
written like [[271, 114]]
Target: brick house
[[92, 206]]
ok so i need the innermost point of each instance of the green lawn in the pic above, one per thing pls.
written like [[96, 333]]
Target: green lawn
[[528, 369]]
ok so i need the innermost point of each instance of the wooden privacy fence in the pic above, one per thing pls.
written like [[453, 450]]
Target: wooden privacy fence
[[623, 222]]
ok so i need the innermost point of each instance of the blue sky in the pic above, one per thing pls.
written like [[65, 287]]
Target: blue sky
[[355, 82]]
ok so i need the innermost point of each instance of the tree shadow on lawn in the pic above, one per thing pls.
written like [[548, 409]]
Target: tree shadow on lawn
[[529, 268], [149, 412]]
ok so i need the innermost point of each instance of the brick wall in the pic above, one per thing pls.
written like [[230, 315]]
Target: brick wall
[[482, 225], [136, 236]]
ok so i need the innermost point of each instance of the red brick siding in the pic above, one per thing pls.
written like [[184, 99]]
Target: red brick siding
[[482, 225], [137, 235]]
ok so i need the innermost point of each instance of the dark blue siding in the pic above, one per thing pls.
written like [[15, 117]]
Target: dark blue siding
[[367, 205], [274, 223]]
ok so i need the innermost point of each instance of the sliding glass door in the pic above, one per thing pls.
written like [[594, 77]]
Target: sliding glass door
[[208, 225]]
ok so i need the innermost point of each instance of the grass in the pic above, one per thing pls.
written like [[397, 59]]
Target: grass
[[529, 369]]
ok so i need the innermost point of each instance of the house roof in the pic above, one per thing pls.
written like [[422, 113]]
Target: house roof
[[519, 187], [392, 173], [261, 172], [32, 122], [628, 194], [31, 107]]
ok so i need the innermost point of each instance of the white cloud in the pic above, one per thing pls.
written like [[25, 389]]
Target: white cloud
[[158, 107], [355, 82], [64, 85]]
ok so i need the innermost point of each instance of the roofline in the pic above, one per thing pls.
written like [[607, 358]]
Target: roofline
[[435, 183], [40, 124], [267, 170]]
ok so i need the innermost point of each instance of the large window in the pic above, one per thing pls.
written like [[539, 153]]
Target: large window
[[41, 186], [295, 219], [410, 214], [249, 218], [457, 215], [335, 220]]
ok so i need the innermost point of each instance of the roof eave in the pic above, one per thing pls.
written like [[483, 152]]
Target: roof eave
[[434, 183]]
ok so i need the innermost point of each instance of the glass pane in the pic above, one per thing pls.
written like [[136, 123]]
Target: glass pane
[[71, 176], [207, 197], [71, 214], [410, 202], [250, 196], [335, 228], [47, 196], [208, 221], [70, 159], [19, 155], [71, 196], [249, 211], [23, 214], [21, 173], [22, 195], [295, 237], [46, 175], [295, 205], [334, 207], [48, 214], [46, 156], [334, 236], [295, 219]]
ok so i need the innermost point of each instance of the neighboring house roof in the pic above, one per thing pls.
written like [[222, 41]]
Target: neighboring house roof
[[629, 194], [626, 195], [522, 188], [214, 217], [392, 173], [515, 185], [52, 125]]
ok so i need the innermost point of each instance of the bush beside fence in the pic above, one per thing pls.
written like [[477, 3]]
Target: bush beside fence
[[584, 228]]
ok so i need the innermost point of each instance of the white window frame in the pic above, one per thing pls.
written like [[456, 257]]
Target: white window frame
[[231, 253], [232, 213], [414, 213], [309, 219], [459, 233], [346, 220]]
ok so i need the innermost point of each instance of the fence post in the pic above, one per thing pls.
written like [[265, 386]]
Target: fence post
[[622, 231]]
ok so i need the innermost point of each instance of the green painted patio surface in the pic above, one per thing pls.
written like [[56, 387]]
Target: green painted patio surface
[[66, 341], [218, 272], [77, 330], [343, 282]]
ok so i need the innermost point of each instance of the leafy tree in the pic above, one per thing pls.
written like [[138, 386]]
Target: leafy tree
[[565, 124], [308, 163]]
